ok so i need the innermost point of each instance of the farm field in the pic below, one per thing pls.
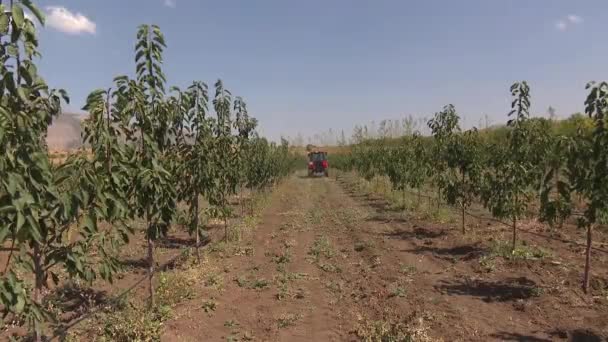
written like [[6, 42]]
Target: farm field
[[168, 212], [328, 261]]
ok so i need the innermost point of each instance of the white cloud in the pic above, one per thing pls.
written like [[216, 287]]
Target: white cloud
[[61, 19], [575, 19], [566, 23], [561, 25], [171, 3]]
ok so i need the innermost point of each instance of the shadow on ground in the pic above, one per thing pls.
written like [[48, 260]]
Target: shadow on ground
[[578, 335], [500, 291], [171, 242], [508, 336], [134, 263], [74, 300], [463, 252], [417, 232]]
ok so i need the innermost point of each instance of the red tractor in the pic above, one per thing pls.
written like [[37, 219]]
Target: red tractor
[[317, 164]]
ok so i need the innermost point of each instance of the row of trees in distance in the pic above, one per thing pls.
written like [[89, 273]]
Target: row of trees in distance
[[562, 167]]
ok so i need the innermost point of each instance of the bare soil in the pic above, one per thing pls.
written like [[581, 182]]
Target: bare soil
[[326, 262], [334, 263]]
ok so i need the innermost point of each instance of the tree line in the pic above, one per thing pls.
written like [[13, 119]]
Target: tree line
[[560, 168], [150, 147]]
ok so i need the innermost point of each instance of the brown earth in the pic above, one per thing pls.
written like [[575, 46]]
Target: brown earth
[[325, 261], [327, 265]]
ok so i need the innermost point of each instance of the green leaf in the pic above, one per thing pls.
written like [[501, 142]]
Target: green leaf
[[12, 50], [20, 220], [35, 10], [18, 15], [4, 22], [4, 233], [89, 224], [20, 305]]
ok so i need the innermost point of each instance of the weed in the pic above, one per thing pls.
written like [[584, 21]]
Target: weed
[[256, 284], [297, 276], [246, 251], [487, 263], [321, 247], [398, 292], [330, 268], [288, 320], [213, 280], [134, 323], [289, 244], [283, 291], [259, 284], [381, 331], [407, 269], [241, 282], [231, 323], [314, 217], [522, 252], [174, 288], [537, 291], [247, 336], [361, 246], [375, 261], [209, 305], [283, 258], [335, 286]]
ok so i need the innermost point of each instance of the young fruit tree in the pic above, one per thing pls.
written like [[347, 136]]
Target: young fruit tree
[[509, 182], [224, 156], [588, 167], [41, 204], [445, 128], [419, 167], [148, 119], [556, 191], [462, 183], [194, 171], [245, 127]]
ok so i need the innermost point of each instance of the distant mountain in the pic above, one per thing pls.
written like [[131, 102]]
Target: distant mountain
[[64, 133]]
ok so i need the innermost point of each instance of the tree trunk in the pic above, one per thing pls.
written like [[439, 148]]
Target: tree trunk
[[108, 121], [514, 234], [438, 198], [242, 202], [37, 295], [196, 229], [587, 260], [464, 231], [257, 192], [225, 228], [151, 269], [462, 172]]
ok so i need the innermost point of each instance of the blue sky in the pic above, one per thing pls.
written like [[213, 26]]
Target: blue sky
[[303, 66]]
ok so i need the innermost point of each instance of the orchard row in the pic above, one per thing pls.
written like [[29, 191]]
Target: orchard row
[[527, 164], [148, 148]]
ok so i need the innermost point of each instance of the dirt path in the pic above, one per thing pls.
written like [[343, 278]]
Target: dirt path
[[323, 266]]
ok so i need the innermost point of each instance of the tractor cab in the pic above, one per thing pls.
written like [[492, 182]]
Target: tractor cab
[[317, 164]]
